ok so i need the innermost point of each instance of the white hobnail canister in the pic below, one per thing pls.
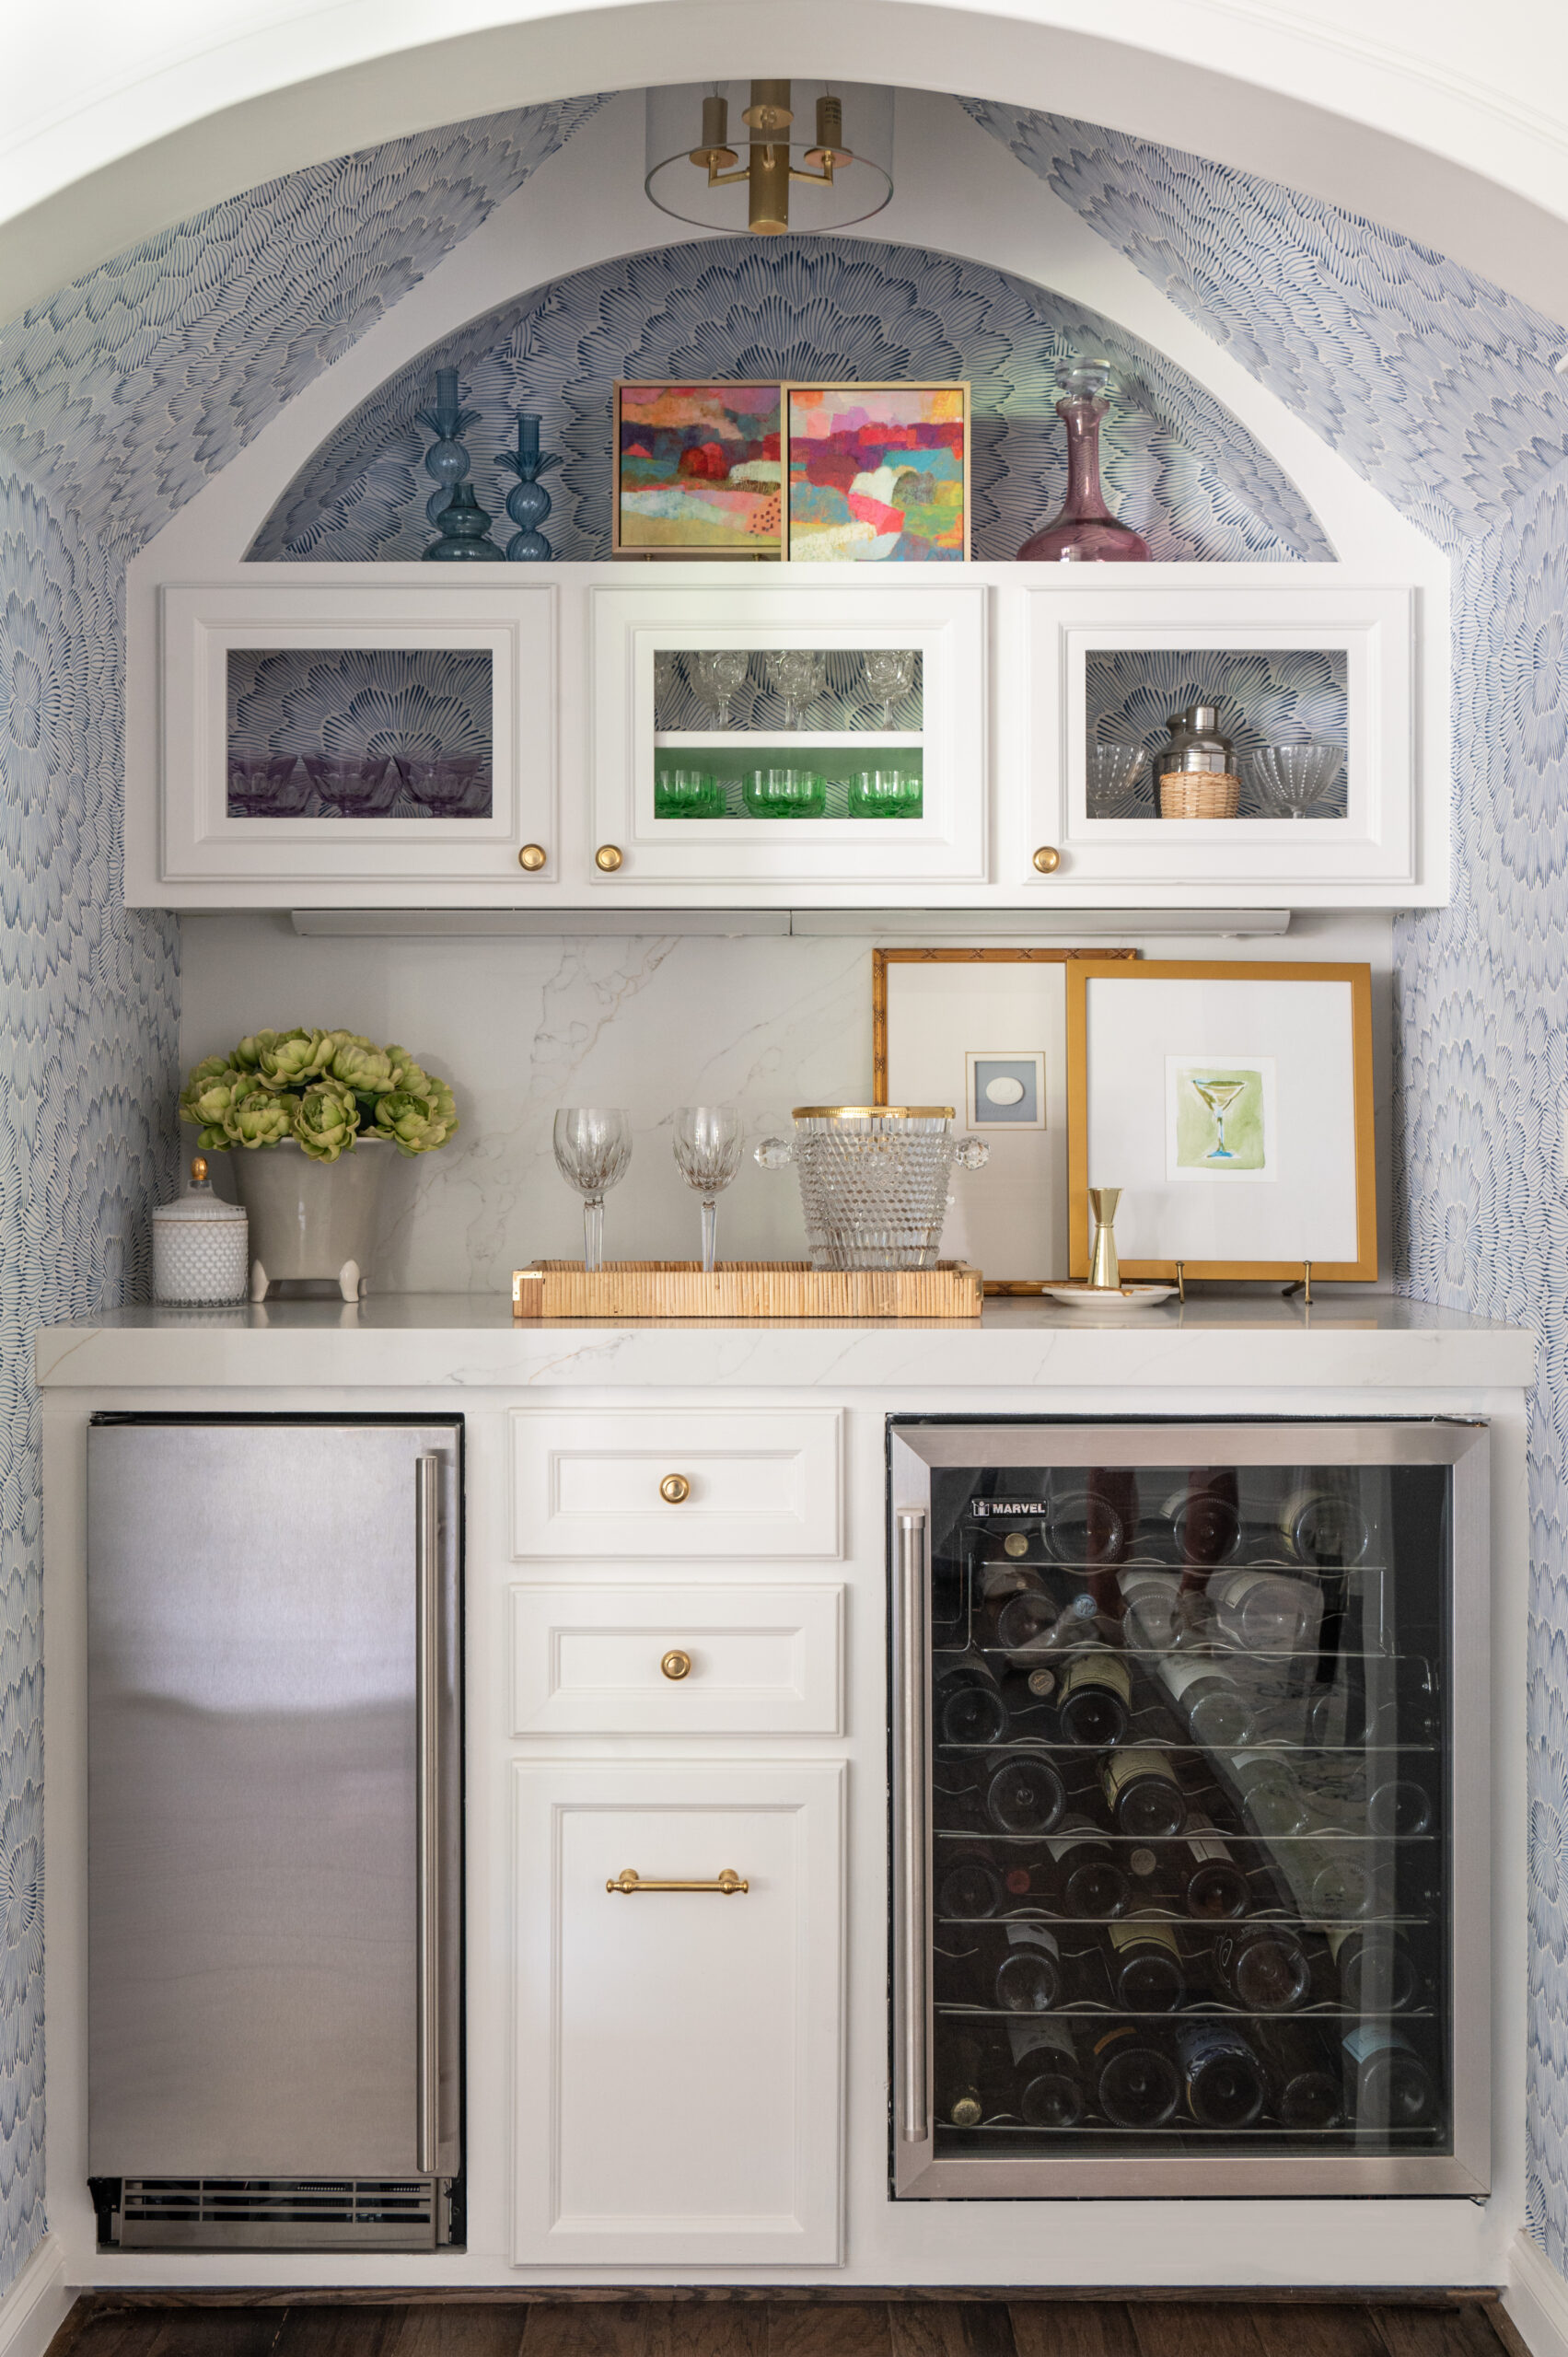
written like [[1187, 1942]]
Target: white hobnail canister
[[201, 1247]]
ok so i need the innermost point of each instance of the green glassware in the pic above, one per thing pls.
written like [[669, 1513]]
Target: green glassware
[[886, 794], [785, 793], [687, 793]]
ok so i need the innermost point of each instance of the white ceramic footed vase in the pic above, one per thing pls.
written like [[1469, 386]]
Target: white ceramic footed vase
[[309, 1218]]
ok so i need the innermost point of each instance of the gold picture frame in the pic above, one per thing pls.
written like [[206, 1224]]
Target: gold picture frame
[[741, 544], [1320, 1129], [792, 392], [951, 1078]]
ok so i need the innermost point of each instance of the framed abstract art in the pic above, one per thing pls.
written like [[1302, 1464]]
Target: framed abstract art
[[985, 1031], [698, 471], [876, 473], [1231, 1104]]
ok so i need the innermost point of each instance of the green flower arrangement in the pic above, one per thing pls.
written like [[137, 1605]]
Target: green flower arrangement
[[324, 1089]]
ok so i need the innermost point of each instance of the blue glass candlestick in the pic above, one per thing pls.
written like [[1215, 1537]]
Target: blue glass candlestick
[[446, 460], [527, 502], [464, 524]]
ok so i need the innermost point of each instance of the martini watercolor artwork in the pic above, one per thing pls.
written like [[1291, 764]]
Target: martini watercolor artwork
[[1220, 1117], [877, 473], [698, 471]]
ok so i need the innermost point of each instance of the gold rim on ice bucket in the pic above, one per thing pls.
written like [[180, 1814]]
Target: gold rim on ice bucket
[[872, 1112]]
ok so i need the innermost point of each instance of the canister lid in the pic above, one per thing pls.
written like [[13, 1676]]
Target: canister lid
[[199, 1203]]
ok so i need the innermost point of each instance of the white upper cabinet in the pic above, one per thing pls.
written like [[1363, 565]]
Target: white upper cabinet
[[640, 735]]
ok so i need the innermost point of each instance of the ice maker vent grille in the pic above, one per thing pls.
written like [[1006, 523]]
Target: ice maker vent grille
[[382, 2214]]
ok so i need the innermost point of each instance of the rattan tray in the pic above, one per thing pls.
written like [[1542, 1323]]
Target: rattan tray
[[743, 1289]]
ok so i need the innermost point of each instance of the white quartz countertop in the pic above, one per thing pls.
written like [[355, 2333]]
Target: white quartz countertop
[[1348, 1339]]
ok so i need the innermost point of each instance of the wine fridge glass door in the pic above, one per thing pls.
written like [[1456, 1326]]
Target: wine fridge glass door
[[1189, 1874]]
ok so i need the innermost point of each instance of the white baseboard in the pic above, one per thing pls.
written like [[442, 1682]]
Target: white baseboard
[[38, 2302], [1535, 2299]]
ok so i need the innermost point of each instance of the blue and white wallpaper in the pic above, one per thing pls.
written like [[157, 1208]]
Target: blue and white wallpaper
[[1177, 466], [118, 399], [1440, 390]]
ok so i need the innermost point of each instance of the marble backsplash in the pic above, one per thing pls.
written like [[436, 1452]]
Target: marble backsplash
[[647, 1021]]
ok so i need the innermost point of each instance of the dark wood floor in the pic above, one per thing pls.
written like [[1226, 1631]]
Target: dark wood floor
[[802, 2327]]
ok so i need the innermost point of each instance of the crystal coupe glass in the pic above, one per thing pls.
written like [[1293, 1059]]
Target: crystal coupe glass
[[707, 1140], [592, 1146]]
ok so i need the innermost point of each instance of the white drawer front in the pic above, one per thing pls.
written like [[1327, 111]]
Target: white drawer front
[[590, 1660], [588, 1482]]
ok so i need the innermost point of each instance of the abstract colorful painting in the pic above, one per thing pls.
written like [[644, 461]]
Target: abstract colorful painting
[[698, 471], [879, 472]]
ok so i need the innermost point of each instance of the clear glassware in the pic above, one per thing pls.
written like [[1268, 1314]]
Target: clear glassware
[[687, 793], [721, 674], [1293, 779], [667, 682], [1085, 530], [1118, 782], [592, 1146], [785, 793], [797, 673], [886, 794], [707, 1141], [890, 674]]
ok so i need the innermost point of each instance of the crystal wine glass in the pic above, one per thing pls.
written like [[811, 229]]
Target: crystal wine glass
[[707, 1141], [890, 674], [720, 672], [798, 673], [592, 1146]]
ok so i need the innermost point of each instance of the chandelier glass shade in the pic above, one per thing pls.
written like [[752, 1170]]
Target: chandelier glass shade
[[770, 156]]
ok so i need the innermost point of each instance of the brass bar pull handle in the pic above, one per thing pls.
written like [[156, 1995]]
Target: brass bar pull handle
[[629, 1882], [910, 1822], [427, 1566]]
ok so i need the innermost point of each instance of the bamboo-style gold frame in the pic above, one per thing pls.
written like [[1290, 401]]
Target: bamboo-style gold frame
[[1362, 1270], [873, 385], [880, 962]]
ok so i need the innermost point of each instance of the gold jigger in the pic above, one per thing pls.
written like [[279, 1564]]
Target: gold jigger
[[1105, 1272]]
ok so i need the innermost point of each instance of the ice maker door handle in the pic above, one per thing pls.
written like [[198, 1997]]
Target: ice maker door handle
[[909, 1724], [427, 1585]]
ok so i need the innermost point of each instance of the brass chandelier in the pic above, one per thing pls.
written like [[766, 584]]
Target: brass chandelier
[[844, 184]]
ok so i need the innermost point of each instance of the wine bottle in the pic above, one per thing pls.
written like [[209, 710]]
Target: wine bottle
[[1142, 1794], [1394, 2087], [1221, 2076], [1213, 1705], [1399, 1805], [1024, 1795], [1377, 1971], [1030, 1977], [1144, 1963], [1204, 1520], [1031, 1625], [1214, 1886], [962, 2100], [1150, 1599], [1303, 2091], [1323, 1526], [1051, 2092], [1270, 1794], [1090, 1883], [1135, 2080], [1094, 1699], [968, 1707], [1263, 1968], [1332, 1880], [1262, 1611], [1090, 1527], [970, 1887]]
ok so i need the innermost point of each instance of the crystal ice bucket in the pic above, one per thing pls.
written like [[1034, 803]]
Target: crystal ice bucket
[[874, 1181]]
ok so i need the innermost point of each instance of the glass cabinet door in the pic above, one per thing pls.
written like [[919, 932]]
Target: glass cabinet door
[[1200, 1886]]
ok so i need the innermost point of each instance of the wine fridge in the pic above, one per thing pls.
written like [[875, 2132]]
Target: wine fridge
[[1189, 1836]]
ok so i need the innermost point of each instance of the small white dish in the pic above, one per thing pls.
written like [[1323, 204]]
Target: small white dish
[[1100, 1297]]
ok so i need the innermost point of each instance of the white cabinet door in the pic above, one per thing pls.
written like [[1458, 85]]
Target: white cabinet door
[[926, 748], [675, 1482], [358, 736], [678, 2069], [1309, 658]]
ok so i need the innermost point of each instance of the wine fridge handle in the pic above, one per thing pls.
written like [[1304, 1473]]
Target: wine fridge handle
[[909, 1666], [428, 1585]]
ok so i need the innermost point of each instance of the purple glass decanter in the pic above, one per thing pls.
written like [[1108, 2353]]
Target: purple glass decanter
[[1085, 531]]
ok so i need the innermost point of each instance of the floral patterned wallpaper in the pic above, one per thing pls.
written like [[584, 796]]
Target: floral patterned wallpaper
[[1441, 391], [118, 399]]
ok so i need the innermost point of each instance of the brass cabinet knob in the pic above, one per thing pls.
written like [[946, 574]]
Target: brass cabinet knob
[[675, 1489], [677, 1665], [609, 856], [1048, 859], [532, 857]]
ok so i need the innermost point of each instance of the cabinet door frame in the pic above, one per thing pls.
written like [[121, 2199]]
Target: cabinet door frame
[[544, 1793], [947, 845], [515, 624], [1378, 841]]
